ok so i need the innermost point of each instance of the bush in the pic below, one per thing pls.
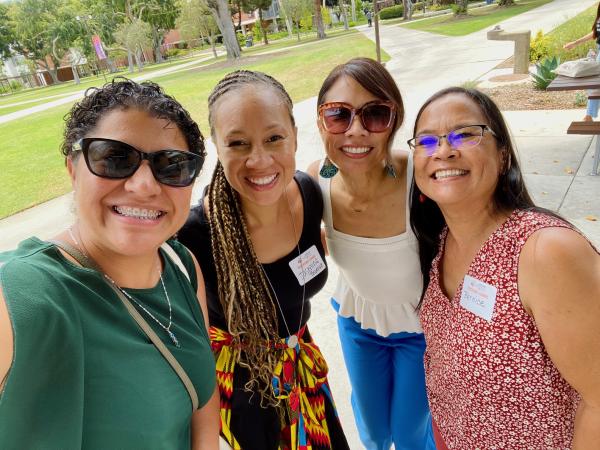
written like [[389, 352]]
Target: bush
[[458, 9], [439, 7], [392, 12], [545, 72], [173, 52], [580, 99], [276, 36], [539, 47], [12, 86]]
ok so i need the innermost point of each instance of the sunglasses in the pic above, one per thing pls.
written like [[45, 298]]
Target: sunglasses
[[107, 158], [460, 139], [375, 117]]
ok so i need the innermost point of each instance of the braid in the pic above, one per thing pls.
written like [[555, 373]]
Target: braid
[[244, 291]]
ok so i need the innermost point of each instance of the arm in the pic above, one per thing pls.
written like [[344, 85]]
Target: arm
[[205, 422], [559, 283], [6, 341], [581, 40]]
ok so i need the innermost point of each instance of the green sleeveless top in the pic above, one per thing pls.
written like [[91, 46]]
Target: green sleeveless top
[[84, 375]]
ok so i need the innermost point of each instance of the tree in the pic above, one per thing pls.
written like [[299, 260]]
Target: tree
[[196, 20], [296, 9], [160, 15], [286, 16], [407, 9], [319, 19], [260, 5], [134, 36], [43, 32], [462, 7], [7, 36], [222, 15]]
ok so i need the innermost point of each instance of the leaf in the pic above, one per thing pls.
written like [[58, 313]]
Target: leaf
[[569, 170], [591, 218]]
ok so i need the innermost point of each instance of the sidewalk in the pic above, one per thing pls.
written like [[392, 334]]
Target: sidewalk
[[556, 165]]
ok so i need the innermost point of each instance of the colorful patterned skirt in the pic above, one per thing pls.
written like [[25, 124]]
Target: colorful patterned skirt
[[299, 381]]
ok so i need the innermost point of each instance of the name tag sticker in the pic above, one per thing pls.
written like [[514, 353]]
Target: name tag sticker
[[308, 265], [478, 297]]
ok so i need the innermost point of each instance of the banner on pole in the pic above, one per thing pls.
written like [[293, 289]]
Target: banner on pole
[[98, 47]]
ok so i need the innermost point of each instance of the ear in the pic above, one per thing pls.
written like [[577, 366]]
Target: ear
[[72, 171], [295, 138]]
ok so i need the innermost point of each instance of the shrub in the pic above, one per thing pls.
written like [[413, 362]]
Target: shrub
[[545, 72], [439, 7], [173, 52], [392, 12], [539, 47], [580, 99], [458, 9], [278, 35]]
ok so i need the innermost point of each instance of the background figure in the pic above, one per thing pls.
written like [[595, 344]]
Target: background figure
[[76, 370], [256, 227], [365, 189], [593, 104], [512, 308]]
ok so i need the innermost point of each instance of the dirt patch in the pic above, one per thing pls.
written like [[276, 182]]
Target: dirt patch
[[523, 96]]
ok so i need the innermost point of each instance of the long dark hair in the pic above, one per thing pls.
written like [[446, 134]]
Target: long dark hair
[[594, 30], [426, 219]]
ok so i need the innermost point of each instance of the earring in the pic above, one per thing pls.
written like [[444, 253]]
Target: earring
[[389, 168], [422, 198], [328, 170]]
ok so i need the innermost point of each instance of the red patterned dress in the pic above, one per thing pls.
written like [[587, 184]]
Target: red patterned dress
[[491, 384]]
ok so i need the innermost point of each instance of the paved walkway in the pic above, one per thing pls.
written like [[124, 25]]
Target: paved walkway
[[556, 166]]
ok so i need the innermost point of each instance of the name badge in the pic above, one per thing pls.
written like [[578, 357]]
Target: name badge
[[478, 297], [308, 265]]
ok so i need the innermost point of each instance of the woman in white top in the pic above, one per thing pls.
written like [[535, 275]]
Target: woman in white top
[[366, 189]]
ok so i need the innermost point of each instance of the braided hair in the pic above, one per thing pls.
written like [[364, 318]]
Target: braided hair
[[244, 291]]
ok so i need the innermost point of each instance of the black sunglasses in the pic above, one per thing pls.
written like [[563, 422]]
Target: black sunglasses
[[107, 158], [375, 117]]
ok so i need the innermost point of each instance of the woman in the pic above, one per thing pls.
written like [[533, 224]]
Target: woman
[[77, 371], [593, 104], [512, 309], [365, 191], [261, 219]]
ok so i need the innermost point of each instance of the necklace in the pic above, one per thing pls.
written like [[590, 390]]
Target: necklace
[[167, 328], [292, 340]]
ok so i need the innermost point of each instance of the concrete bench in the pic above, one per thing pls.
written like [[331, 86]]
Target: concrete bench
[[590, 129]]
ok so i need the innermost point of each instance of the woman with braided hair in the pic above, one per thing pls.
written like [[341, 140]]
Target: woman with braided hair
[[256, 234]]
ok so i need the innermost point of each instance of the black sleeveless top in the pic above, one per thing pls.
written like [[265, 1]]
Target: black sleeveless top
[[195, 235]]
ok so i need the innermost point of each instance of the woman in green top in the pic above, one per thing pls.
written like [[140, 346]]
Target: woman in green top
[[76, 371]]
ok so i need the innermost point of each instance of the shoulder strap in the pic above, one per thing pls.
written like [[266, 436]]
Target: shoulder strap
[[158, 343], [176, 259]]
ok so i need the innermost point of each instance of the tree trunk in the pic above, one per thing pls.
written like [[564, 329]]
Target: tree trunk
[[138, 60], [211, 39], [275, 24], [353, 6], [262, 27], [288, 22], [130, 61], [344, 16], [319, 20], [75, 74], [223, 18]]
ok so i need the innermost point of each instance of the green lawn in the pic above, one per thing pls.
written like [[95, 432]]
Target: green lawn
[[477, 19], [33, 169], [571, 30]]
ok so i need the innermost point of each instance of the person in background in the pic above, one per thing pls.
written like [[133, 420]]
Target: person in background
[[76, 369], [511, 312], [593, 104], [365, 187], [256, 233]]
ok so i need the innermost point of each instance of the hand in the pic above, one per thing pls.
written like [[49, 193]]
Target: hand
[[570, 45]]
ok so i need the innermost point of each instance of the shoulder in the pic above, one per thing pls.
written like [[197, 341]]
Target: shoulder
[[313, 169], [309, 188], [196, 226], [399, 159]]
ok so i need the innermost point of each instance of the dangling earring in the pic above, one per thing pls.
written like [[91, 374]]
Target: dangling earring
[[328, 170], [422, 198], [389, 168]]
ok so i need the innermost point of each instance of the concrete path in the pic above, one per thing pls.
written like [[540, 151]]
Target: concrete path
[[556, 166]]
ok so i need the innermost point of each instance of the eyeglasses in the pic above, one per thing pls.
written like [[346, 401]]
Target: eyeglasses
[[375, 117], [107, 158], [461, 139]]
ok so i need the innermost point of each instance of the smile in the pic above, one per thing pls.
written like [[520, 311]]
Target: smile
[[138, 213], [356, 150], [441, 174], [262, 181]]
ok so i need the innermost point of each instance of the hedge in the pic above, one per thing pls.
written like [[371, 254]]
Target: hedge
[[392, 12]]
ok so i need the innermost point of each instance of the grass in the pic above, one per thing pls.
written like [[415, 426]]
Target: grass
[[33, 169], [572, 29], [476, 20]]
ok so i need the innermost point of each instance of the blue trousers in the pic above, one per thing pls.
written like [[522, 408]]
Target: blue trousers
[[593, 105], [388, 387]]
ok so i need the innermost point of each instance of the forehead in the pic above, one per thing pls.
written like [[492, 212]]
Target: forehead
[[449, 112], [346, 89], [139, 129], [249, 106]]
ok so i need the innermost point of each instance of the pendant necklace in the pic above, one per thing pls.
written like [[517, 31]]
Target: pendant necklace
[[167, 328], [292, 340]]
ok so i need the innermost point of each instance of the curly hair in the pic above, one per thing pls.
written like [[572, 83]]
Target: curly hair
[[122, 93]]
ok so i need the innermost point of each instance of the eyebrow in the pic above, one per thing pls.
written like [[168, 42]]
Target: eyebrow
[[238, 132], [455, 127]]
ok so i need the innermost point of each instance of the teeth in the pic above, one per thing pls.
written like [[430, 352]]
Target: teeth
[[138, 213], [262, 180], [356, 150], [449, 173]]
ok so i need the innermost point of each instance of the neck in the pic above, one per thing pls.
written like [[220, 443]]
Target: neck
[[127, 271], [364, 184], [266, 215], [472, 226]]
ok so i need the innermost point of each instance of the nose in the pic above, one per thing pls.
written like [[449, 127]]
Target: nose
[[444, 150], [143, 182], [259, 158], [356, 127]]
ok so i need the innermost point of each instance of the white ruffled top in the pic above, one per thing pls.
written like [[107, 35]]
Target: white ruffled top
[[380, 281]]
